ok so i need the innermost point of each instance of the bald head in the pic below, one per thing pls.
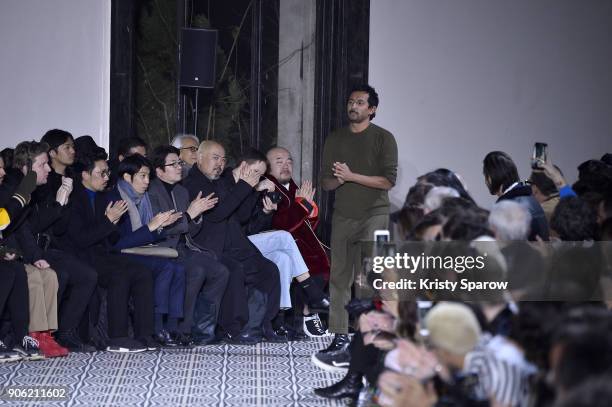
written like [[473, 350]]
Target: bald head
[[281, 164], [211, 159]]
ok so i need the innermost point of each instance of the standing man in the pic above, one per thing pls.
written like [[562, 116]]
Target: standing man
[[360, 164]]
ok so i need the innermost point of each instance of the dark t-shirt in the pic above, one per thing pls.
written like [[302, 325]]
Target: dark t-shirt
[[372, 152]]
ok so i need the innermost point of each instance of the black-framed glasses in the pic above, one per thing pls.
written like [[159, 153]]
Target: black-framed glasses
[[193, 149], [104, 173], [175, 164]]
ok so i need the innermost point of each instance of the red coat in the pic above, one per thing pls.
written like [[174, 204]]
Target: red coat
[[294, 218]]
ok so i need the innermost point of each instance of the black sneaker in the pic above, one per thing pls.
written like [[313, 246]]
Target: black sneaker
[[125, 345], [7, 355], [340, 341], [70, 340], [335, 361], [313, 326], [29, 349]]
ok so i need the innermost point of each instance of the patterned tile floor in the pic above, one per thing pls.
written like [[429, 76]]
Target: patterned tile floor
[[218, 375]]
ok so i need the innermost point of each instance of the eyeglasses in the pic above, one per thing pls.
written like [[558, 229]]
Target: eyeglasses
[[175, 164], [192, 149], [105, 173]]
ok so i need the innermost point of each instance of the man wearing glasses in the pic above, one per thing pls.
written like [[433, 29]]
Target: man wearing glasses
[[90, 234], [206, 278], [187, 144]]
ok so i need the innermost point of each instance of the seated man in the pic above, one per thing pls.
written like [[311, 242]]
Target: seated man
[[39, 217], [48, 214], [251, 299], [14, 287], [140, 227], [206, 278], [187, 144], [280, 247], [297, 213], [90, 236]]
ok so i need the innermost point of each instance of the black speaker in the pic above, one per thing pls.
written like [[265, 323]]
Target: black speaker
[[198, 56]]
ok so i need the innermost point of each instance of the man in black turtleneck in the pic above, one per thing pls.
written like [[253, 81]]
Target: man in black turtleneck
[[206, 277]]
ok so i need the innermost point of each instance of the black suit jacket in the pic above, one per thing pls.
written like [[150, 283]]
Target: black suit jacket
[[88, 229]]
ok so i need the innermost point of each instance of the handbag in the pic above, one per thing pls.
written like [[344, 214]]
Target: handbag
[[152, 250]]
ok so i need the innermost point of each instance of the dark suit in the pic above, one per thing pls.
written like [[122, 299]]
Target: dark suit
[[204, 274], [90, 236], [250, 273], [77, 280]]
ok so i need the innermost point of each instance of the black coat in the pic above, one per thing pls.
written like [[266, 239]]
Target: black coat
[[33, 220], [87, 230], [221, 230]]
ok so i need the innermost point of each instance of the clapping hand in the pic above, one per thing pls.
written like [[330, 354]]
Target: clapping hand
[[115, 210], [200, 205], [163, 219], [306, 191]]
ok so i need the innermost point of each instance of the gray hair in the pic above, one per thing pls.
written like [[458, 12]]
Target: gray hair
[[177, 141], [510, 221], [434, 198]]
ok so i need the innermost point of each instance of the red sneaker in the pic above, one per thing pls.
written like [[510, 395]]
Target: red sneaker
[[60, 350], [48, 346]]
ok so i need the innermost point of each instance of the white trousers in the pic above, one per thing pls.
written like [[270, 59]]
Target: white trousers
[[279, 247]]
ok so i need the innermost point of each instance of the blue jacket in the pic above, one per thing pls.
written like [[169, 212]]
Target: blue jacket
[[128, 238], [523, 195]]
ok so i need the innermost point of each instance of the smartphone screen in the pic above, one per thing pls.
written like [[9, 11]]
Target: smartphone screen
[[539, 154]]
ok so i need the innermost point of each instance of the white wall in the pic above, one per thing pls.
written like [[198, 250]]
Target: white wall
[[458, 79], [54, 68]]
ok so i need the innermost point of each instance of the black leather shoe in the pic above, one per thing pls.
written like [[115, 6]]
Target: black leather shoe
[[321, 306], [271, 336], [165, 339], [294, 335], [242, 339], [348, 387], [70, 340], [281, 331], [340, 341], [184, 340]]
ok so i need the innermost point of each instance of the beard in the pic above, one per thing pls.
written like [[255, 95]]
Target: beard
[[355, 117], [215, 174]]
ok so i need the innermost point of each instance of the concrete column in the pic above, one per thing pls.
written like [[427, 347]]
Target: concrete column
[[296, 83]]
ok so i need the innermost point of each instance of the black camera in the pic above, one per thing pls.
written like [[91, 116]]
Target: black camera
[[356, 307], [274, 196]]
